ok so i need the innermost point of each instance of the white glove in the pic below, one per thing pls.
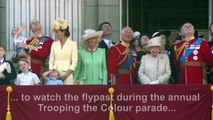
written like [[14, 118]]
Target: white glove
[[155, 82], [7, 67], [1, 76], [2, 68], [79, 82]]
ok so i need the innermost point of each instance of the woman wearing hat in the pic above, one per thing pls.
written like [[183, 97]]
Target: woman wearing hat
[[91, 68], [63, 54], [155, 67], [164, 41]]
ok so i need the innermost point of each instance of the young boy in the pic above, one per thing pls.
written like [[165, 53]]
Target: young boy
[[51, 77], [20, 52], [26, 77], [7, 70]]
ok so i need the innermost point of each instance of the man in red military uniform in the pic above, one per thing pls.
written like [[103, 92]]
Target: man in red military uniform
[[121, 60], [192, 57], [39, 48]]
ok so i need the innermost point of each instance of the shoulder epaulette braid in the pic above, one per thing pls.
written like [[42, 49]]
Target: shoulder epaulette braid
[[126, 51], [178, 50]]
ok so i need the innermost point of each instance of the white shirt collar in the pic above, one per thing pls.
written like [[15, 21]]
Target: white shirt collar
[[26, 73], [2, 60], [106, 41]]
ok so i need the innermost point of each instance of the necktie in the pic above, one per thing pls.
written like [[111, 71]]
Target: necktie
[[109, 44]]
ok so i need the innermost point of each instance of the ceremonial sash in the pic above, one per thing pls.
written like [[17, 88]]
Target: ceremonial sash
[[188, 51], [43, 39], [129, 61], [36, 41]]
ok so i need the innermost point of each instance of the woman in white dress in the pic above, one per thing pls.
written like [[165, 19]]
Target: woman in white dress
[[154, 67]]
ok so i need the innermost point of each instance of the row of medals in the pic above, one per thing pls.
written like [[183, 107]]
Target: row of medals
[[195, 52]]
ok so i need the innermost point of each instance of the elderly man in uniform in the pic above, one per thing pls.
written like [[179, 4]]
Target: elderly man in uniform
[[121, 60], [192, 57], [39, 48]]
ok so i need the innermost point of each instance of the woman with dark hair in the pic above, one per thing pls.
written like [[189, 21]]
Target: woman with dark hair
[[64, 54], [143, 42], [140, 43], [135, 44]]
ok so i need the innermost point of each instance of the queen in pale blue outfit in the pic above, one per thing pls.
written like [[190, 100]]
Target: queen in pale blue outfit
[[91, 67]]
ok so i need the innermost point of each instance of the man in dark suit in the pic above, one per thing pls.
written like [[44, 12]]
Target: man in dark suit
[[106, 41]]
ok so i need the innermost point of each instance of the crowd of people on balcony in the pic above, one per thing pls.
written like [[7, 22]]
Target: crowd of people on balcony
[[136, 59]]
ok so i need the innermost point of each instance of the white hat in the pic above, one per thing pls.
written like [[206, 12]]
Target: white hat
[[136, 34], [156, 41], [90, 33]]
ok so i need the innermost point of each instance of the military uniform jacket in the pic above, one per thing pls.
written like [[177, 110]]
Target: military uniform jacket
[[40, 50], [193, 68], [121, 62]]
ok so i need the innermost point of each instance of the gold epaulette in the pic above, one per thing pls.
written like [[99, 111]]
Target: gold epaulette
[[126, 51], [178, 50], [116, 44], [34, 41]]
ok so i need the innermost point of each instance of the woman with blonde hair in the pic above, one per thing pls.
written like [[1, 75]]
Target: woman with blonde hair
[[91, 68]]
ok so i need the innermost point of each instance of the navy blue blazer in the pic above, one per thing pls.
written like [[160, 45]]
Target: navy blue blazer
[[102, 44]]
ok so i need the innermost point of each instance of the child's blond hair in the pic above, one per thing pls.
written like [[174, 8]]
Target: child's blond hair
[[15, 28]]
